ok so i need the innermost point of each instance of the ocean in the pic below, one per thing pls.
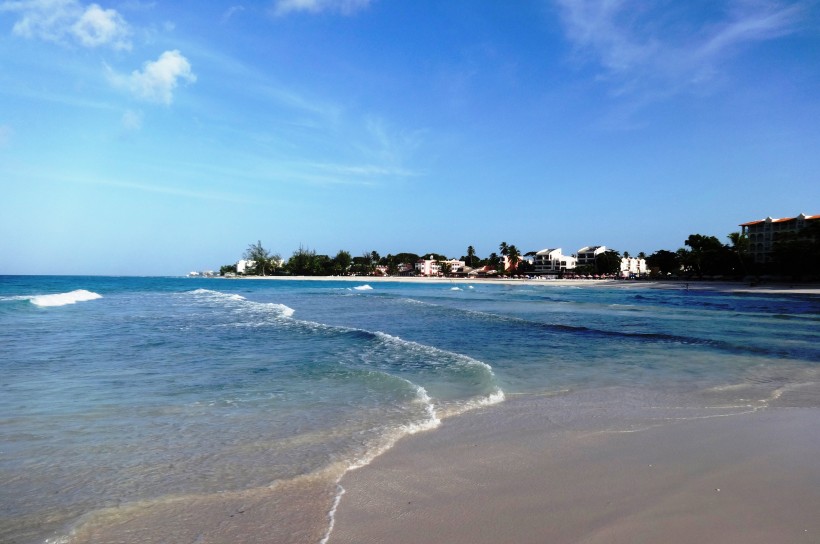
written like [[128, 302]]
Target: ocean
[[130, 405]]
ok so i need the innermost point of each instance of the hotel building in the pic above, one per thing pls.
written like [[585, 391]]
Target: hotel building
[[764, 233], [551, 261]]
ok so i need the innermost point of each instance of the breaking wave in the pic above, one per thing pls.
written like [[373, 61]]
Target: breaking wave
[[63, 299]]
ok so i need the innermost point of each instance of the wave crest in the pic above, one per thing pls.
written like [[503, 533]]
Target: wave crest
[[62, 299]]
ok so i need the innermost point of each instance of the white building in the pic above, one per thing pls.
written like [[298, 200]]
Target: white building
[[763, 234], [631, 266], [432, 267], [551, 261], [587, 255], [243, 266], [455, 265], [428, 267]]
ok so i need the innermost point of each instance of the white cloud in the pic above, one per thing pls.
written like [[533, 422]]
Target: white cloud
[[99, 26], [69, 21], [157, 79], [346, 7], [132, 120], [231, 11], [669, 46]]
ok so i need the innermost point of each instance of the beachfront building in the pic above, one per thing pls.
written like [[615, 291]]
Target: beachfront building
[[587, 255], [455, 265], [243, 266], [762, 234], [552, 261], [428, 267], [632, 267], [432, 267]]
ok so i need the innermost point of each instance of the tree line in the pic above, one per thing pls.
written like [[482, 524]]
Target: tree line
[[796, 256]]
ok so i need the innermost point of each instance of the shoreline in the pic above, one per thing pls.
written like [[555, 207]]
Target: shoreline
[[511, 474], [699, 285]]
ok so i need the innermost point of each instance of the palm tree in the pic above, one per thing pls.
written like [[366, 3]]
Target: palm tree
[[504, 248], [514, 256], [470, 255], [740, 247]]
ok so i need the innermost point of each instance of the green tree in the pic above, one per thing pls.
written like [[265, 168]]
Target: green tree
[[341, 262], [740, 250], [470, 256], [664, 262], [514, 257], [608, 262], [707, 256], [302, 262], [503, 248], [445, 267], [227, 269], [263, 261]]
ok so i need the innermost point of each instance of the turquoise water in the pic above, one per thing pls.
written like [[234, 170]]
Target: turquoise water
[[119, 390]]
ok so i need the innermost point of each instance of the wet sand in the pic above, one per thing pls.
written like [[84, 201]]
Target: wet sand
[[510, 474]]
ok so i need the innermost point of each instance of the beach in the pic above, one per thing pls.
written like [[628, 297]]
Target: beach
[[513, 475], [355, 410]]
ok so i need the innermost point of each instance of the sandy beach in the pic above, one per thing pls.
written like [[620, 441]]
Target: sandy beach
[[512, 474]]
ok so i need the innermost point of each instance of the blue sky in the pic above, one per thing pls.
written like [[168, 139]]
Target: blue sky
[[153, 137]]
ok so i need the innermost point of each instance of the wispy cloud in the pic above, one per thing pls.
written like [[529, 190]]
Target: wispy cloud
[[388, 146], [345, 7], [69, 22], [363, 170], [666, 47], [157, 79], [231, 11], [174, 191], [132, 120], [5, 135]]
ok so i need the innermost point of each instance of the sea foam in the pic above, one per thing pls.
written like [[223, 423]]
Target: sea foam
[[62, 299], [363, 288]]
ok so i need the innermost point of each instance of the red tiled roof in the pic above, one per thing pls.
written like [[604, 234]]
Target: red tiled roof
[[782, 220]]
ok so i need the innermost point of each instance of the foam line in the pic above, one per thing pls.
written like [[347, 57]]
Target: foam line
[[62, 299]]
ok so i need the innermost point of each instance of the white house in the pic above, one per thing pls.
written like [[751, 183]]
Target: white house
[[551, 261], [587, 255], [428, 267], [243, 266], [432, 267], [631, 266]]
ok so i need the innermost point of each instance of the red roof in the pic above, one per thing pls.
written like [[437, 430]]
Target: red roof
[[782, 220]]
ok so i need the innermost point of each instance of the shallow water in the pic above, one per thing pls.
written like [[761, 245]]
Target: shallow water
[[119, 394]]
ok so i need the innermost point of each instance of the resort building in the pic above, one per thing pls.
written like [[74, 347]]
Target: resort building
[[764, 233], [552, 261], [428, 267], [432, 267], [632, 267], [455, 265], [587, 255]]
